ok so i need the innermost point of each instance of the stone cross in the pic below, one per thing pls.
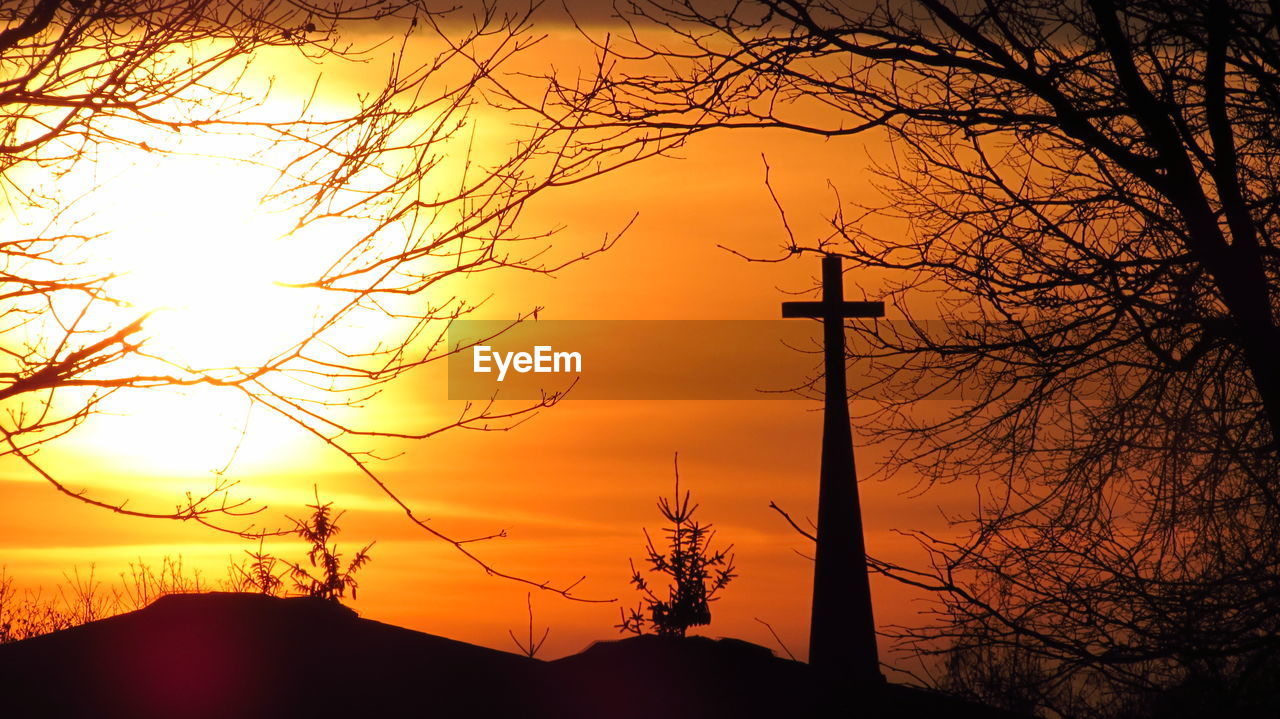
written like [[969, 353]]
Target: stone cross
[[842, 632]]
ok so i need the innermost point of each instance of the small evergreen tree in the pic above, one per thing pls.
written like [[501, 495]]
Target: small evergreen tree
[[696, 572], [333, 580]]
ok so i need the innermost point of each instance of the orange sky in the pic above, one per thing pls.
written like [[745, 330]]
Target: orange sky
[[575, 485]]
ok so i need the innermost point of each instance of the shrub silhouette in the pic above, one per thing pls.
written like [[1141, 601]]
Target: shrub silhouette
[[83, 598], [333, 580], [262, 573], [696, 572], [531, 648]]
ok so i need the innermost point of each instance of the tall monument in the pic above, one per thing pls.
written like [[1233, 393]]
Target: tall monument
[[842, 632]]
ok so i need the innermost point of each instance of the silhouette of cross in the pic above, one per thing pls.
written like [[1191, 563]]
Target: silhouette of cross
[[842, 630]]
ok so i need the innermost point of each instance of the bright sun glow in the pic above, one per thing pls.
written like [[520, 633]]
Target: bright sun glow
[[189, 241], [206, 257], [193, 244]]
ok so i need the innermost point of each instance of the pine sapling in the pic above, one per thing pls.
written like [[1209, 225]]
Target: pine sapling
[[333, 580], [695, 572]]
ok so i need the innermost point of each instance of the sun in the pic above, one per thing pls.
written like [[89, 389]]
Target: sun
[[201, 252], [194, 240], [189, 241]]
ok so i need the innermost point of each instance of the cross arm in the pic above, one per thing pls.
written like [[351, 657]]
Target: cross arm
[[822, 309]]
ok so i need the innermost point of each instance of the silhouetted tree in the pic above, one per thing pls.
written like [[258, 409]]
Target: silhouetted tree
[[334, 580], [260, 573], [695, 572], [1089, 189], [393, 172]]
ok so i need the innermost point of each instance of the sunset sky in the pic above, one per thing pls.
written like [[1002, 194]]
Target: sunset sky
[[573, 486]]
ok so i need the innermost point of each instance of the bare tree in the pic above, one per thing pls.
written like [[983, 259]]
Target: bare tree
[[530, 647], [391, 172], [1090, 191]]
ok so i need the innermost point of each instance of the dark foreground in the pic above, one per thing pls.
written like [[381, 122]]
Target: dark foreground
[[245, 656]]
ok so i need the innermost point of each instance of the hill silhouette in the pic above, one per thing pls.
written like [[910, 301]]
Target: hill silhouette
[[245, 656]]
